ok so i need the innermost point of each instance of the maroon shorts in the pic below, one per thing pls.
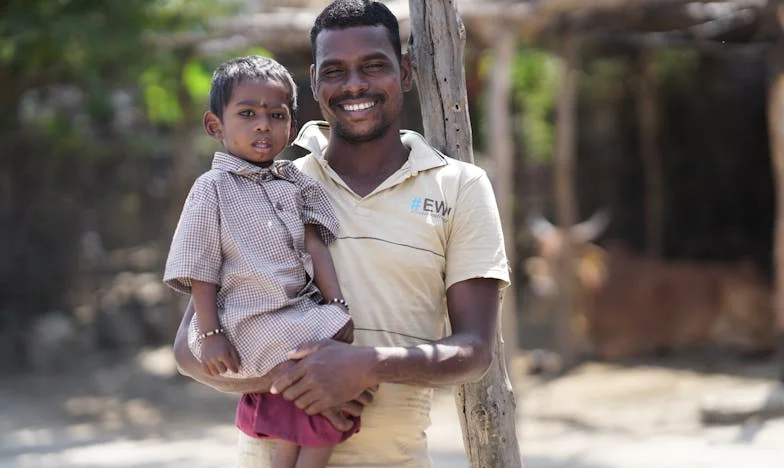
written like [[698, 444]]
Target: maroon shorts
[[264, 415]]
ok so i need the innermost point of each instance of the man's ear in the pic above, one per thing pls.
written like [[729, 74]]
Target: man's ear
[[212, 126], [313, 81], [406, 73]]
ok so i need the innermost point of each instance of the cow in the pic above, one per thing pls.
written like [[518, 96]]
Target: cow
[[630, 305]]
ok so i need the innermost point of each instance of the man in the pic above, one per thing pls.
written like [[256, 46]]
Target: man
[[420, 240]]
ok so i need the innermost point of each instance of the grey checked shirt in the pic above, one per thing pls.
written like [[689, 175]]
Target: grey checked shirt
[[242, 228]]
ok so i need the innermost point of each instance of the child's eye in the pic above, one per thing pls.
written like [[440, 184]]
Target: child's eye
[[247, 113], [278, 115]]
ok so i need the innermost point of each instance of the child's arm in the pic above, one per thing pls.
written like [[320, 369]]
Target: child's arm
[[218, 355], [324, 274]]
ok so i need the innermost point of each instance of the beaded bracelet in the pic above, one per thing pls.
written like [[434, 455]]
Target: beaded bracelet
[[207, 334], [340, 301]]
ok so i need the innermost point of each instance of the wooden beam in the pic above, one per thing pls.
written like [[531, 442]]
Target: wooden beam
[[286, 30], [486, 408]]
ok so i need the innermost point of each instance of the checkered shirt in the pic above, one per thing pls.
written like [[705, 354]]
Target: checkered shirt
[[242, 228]]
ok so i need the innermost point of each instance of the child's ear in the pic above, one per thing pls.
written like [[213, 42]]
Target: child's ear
[[212, 125]]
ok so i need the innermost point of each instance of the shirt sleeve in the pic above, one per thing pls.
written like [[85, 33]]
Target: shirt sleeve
[[316, 209], [475, 248], [195, 252]]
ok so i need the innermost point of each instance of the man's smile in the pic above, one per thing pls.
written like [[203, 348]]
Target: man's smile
[[358, 107]]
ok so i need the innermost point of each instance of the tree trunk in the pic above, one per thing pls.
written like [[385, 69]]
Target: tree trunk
[[183, 173], [500, 146], [487, 408], [648, 128], [182, 156], [565, 201]]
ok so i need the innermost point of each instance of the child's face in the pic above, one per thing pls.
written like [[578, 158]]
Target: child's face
[[257, 122]]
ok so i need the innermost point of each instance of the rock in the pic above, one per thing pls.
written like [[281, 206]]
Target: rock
[[738, 406], [54, 342]]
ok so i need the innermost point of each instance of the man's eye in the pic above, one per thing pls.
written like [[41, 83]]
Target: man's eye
[[374, 67], [331, 72]]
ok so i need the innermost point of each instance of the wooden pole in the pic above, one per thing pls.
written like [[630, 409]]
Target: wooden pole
[[648, 128], [500, 147], [565, 200], [776, 132], [486, 408]]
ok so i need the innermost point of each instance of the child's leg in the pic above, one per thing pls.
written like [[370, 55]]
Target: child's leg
[[286, 454], [313, 457]]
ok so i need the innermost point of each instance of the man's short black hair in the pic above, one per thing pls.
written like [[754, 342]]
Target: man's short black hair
[[342, 14], [239, 69]]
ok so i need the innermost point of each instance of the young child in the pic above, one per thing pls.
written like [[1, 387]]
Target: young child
[[250, 247]]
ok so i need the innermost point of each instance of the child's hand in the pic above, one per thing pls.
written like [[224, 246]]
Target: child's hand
[[345, 334], [218, 355]]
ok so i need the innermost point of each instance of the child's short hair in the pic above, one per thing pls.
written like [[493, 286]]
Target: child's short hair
[[236, 70], [342, 14]]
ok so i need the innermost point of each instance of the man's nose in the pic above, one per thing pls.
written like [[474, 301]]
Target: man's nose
[[355, 82]]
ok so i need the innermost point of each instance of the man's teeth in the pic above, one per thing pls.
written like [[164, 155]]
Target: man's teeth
[[358, 107]]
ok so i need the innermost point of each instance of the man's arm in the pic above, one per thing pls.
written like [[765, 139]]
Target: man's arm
[[332, 372], [189, 366]]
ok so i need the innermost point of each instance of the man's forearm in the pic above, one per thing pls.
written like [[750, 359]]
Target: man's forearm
[[454, 360]]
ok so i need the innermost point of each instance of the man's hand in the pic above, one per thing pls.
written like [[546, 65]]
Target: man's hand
[[327, 374]]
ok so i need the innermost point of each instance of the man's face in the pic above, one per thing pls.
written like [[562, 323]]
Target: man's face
[[359, 82]]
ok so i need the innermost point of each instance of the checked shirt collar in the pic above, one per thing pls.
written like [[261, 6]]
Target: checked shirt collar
[[281, 169]]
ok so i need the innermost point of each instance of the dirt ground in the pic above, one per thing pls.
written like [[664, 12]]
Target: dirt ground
[[137, 412]]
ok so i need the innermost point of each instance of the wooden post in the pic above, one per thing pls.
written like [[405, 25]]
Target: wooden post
[[500, 147], [776, 132], [758, 403], [565, 200], [487, 408], [648, 128]]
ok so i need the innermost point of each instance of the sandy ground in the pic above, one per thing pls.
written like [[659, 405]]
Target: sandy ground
[[137, 413]]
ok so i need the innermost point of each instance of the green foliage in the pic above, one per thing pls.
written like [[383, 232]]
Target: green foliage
[[534, 85], [196, 78], [159, 85], [159, 96], [77, 78]]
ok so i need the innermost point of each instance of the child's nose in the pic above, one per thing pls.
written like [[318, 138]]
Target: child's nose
[[263, 124]]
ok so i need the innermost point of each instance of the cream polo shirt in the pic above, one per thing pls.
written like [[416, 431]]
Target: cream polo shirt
[[431, 224]]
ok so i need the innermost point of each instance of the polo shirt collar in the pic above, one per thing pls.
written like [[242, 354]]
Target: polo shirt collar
[[314, 137]]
